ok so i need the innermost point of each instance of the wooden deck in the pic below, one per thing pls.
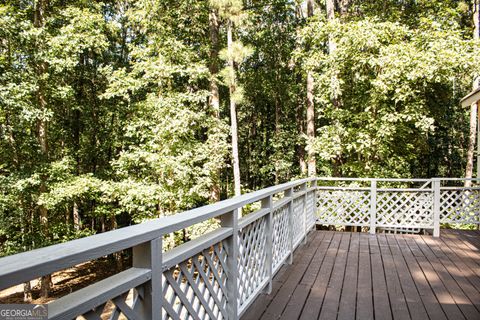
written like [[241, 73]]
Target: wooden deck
[[342, 275]]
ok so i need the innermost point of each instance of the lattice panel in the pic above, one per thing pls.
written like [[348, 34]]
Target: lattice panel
[[405, 209], [281, 235], [460, 206], [252, 261], [343, 207], [121, 307], [196, 288], [298, 219], [311, 209]]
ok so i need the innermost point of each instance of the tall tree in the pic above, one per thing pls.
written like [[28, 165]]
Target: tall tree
[[42, 129], [474, 107], [214, 99], [300, 103], [232, 87], [110, 112], [388, 126], [332, 46], [311, 162], [235, 53]]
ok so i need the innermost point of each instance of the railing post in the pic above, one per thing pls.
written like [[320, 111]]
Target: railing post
[[289, 193], [267, 203], [149, 255], [436, 207], [231, 220], [304, 188], [314, 205], [373, 206]]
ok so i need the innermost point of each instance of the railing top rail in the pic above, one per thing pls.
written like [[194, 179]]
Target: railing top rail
[[371, 179], [395, 179], [458, 179], [28, 265], [460, 188]]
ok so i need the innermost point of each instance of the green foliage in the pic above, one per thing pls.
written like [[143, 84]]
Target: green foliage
[[121, 89], [388, 80]]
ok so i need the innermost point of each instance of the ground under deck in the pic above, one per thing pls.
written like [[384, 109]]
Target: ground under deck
[[342, 275]]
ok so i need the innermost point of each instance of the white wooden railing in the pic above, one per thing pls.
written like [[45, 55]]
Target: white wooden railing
[[216, 276], [400, 204]]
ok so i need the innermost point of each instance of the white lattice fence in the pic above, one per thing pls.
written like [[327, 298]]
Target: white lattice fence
[[196, 287], [298, 219], [252, 265], [343, 207], [120, 307], [215, 276], [281, 235], [406, 209], [460, 205], [311, 201], [398, 205]]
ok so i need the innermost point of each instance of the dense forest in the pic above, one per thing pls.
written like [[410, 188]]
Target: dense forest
[[119, 111]]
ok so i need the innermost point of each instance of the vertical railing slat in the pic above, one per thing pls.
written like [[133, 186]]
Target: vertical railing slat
[[149, 255], [267, 203], [436, 207], [231, 220], [303, 188], [289, 193], [314, 204], [373, 206]]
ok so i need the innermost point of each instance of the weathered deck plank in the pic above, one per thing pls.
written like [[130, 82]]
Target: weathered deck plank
[[425, 291], [381, 303], [314, 302], [334, 289], [358, 276], [412, 296], [349, 291], [364, 307], [468, 309]]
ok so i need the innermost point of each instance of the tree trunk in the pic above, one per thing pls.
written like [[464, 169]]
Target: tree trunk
[[471, 144], [233, 111], [27, 292], [76, 137], [278, 112], [46, 286], [42, 129], [300, 108], [301, 149], [27, 287], [330, 7], [117, 256], [310, 108], [473, 108], [476, 83], [77, 222], [214, 99], [332, 46], [344, 6]]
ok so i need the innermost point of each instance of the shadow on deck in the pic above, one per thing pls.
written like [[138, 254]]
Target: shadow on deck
[[342, 275]]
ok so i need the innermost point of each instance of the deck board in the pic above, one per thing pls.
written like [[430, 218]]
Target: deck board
[[334, 289], [316, 296], [432, 305], [341, 275], [349, 291], [467, 308], [397, 298], [412, 296], [364, 306]]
